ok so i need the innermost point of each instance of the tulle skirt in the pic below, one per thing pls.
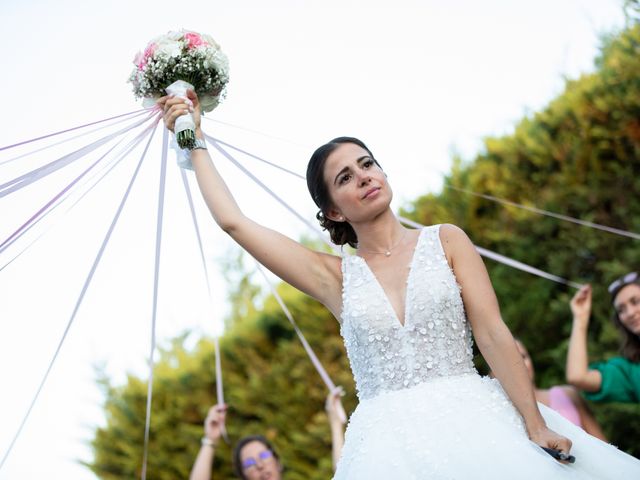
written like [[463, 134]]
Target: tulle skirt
[[463, 428]]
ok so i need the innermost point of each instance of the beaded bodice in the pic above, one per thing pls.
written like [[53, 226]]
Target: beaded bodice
[[435, 340]]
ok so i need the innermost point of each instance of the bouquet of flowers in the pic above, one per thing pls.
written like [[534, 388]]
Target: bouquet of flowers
[[176, 62]]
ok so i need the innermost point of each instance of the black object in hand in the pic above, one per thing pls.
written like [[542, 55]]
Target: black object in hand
[[558, 455]]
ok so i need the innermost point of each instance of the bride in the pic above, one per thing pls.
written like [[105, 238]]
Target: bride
[[407, 303]]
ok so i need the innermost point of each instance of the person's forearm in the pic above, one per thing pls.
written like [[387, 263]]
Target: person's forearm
[[337, 441], [204, 461], [577, 356], [216, 194], [499, 349]]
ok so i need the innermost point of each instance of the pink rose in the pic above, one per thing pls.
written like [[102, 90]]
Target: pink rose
[[142, 58], [149, 51], [194, 40]]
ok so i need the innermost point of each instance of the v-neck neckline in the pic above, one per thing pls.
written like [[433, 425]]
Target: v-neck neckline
[[402, 323]]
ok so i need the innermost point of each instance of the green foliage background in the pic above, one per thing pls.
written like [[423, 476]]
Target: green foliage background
[[579, 156], [270, 385]]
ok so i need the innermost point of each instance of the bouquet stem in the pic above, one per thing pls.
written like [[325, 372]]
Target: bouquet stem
[[186, 139], [185, 127]]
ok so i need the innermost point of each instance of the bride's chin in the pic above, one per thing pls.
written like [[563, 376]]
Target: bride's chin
[[375, 213]]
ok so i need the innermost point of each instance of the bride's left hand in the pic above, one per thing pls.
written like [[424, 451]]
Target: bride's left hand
[[546, 437]]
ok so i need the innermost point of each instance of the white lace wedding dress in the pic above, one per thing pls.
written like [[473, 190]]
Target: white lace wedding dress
[[424, 412]]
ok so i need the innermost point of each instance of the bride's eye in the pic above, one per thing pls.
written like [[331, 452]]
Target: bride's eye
[[345, 178]]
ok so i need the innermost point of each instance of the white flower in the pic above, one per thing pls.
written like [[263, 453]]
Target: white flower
[[168, 48], [208, 102], [209, 39], [174, 35], [221, 62]]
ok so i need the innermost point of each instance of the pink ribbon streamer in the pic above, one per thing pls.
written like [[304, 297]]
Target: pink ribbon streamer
[[36, 218], [290, 172], [75, 137], [271, 192], [508, 261], [539, 211], [59, 203], [79, 301], [266, 135], [15, 235], [41, 172], [310, 353], [216, 346], [156, 277], [71, 129]]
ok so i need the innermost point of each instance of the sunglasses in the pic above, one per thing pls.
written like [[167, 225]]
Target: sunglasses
[[622, 281], [252, 462]]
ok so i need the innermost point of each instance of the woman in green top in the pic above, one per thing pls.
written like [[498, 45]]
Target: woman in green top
[[617, 379]]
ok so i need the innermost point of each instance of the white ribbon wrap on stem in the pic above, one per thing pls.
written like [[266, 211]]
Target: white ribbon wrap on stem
[[183, 156], [184, 122]]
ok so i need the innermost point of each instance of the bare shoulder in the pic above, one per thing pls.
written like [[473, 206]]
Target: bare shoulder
[[453, 239], [452, 233]]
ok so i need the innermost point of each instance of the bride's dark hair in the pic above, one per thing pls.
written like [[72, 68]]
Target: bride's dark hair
[[341, 232]]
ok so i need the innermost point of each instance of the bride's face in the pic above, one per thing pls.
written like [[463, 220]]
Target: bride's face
[[357, 185]]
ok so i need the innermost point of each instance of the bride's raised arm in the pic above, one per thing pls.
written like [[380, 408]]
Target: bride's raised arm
[[317, 274]]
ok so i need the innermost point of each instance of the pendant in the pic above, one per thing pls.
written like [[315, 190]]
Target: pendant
[[387, 253]]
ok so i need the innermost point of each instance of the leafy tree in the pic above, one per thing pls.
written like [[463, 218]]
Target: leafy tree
[[270, 386]]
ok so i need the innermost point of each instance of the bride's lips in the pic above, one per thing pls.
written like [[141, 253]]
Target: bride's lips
[[371, 192]]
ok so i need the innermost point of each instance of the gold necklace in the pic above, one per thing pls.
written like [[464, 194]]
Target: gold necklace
[[387, 253]]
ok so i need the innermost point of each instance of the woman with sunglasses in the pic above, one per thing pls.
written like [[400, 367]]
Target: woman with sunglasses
[[254, 457], [617, 379]]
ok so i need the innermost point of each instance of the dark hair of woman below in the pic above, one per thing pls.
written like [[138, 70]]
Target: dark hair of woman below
[[341, 232], [630, 345], [237, 462]]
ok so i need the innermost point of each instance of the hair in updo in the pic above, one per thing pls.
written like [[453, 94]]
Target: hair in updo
[[341, 232]]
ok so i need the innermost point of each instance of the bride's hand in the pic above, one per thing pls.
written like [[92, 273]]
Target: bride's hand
[[174, 107], [550, 439]]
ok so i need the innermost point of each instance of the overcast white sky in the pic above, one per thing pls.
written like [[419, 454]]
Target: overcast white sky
[[413, 79]]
